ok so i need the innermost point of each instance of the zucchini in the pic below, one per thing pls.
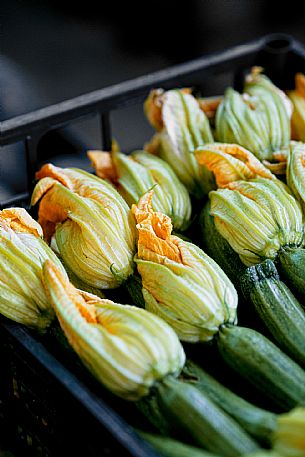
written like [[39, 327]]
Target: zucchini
[[173, 448], [149, 407], [217, 247], [263, 364], [189, 410], [277, 307], [133, 287], [292, 268], [259, 423]]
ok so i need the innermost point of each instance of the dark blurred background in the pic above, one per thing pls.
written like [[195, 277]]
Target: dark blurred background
[[55, 50], [60, 49]]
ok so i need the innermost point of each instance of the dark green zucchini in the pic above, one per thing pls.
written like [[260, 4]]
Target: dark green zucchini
[[258, 422], [189, 411], [173, 448], [218, 248], [263, 364], [292, 268], [277, 307], [149, 407], [133, 287]]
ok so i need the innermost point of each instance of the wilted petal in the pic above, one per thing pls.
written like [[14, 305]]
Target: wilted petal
[[209, 105], [230, 162], [103, 164], [153, 108], [19, 220]]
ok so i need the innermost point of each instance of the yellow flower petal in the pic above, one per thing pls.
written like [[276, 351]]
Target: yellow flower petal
[[58, 280], [230, 162], [300, 83], [103, 164], [209, 105], [19, 220], [153, 108], [59, 174], [154, 232]]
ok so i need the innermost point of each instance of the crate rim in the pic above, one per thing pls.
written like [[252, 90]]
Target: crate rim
[[100, 100]]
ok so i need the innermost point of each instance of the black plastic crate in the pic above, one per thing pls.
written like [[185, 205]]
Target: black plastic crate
[[49, 405]]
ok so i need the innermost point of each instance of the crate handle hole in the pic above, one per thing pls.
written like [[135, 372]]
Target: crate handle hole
[[278, 44]]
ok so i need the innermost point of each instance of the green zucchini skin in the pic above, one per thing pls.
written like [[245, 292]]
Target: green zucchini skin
[[278, 308], [218, 248], [149, 407], [263, 364], [133, 287], [190, 411], [258, 422], [292, 268], [173, 448]]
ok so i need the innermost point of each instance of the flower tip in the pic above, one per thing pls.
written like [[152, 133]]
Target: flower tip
[[144, 203], [49, 170], [19, 220], [153, 108], [300, 83], [103, 165], [41, 189], [51, 273], [57, 285]]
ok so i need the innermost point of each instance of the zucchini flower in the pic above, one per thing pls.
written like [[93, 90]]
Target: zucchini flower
[[137, 173], [297, 97], [22, 254], [289, 440], [257, 218], [182, 127], [295, 172], [258, 119], [91, 223], [180, 283], [230, 163], [126, 348]]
